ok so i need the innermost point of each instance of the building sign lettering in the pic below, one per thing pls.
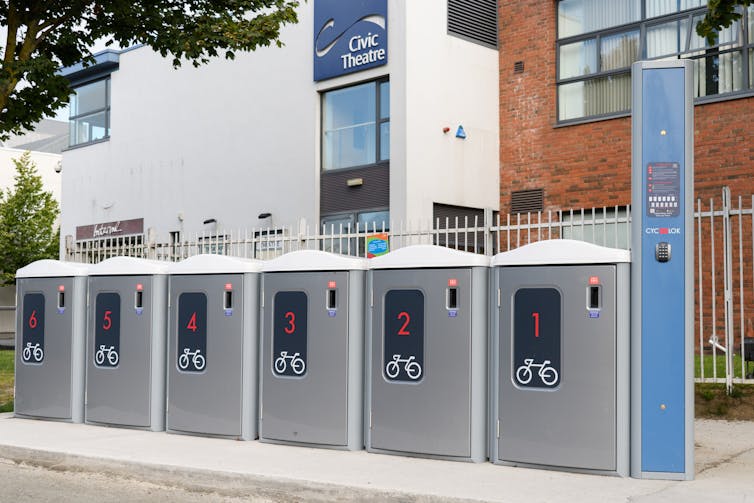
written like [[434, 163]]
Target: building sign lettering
[[349, 36], [110, 229]]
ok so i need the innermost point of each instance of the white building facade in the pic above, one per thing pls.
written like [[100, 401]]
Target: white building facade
[[374, 110]]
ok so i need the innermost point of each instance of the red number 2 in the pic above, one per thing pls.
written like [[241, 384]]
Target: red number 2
[[33, 319], [192, 322], [536, 323], [108, 322], [403, 331], [291, 322]]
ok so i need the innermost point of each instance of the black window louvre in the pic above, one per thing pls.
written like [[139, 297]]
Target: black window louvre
[[525, 201], [475, 20]]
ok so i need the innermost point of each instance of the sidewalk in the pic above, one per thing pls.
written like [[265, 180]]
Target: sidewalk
[[724, 461]]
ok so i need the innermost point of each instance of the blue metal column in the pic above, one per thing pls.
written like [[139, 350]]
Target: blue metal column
[[662, 403]]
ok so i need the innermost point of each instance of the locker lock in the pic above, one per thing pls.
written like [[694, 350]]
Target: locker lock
[[228, 299], [139, 298], [594, 297], [331, 298], [61, 299], [451, 297]]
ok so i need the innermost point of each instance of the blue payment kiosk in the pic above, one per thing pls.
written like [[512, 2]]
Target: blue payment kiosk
[[662, 277]]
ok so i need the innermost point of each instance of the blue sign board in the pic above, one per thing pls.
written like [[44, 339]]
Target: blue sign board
[[349, 36]]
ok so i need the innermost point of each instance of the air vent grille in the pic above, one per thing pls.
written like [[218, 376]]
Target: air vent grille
[[525, 201], [475, 20]]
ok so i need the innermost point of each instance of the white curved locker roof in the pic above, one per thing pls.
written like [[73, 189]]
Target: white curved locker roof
[[128, 266], [314, 260], [52, 268], [428, 256], [215, 264], [561, 251]]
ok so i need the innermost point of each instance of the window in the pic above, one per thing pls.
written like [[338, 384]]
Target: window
[[356, 126], [341, 230], [90, 113], [598, 41]]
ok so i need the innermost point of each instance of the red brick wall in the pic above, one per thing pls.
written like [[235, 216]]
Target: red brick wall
[[590, 164]]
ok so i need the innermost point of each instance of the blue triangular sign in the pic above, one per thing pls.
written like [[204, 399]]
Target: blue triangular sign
[[461, 133]]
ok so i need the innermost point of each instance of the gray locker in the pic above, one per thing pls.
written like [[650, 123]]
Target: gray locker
[[427, 354], [126, 334], [212, 346], [560, 348], [50, 340], [311, 379]]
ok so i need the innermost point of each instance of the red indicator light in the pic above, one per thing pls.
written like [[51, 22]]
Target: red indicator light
[[228, 286], [594, 280], [139, 287], [331, 284], [61, 288], [452, 282], [663, 230]]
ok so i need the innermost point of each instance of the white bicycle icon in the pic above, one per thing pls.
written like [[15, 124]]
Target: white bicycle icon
[[34, 351], [110, 353], [297, 363], [194, 357], [546, 373], [412, 367]]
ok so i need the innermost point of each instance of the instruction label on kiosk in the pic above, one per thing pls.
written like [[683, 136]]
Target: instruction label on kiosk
[[663, 189], [536, 338], [192, 332], [33, 335], [403, 357], [107, 330], [289, 336]]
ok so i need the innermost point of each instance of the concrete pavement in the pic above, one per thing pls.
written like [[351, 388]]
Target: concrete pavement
[[724, 461]]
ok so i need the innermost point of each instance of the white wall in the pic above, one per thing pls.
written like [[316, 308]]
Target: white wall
[[450, 82], [234, 139]]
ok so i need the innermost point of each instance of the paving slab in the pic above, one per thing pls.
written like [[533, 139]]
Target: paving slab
[[725, 468]]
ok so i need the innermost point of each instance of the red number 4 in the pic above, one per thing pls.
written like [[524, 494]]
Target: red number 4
[[192, 322]]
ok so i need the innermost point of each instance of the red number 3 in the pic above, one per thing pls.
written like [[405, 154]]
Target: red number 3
[[291, 322], [407, 317]]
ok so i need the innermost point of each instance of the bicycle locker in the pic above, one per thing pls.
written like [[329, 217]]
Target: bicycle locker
[[50, 348], [311, 361], [560, 353], [212, 346], [126, 338], [427, 353]]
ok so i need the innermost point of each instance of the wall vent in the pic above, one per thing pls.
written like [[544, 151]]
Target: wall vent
[[525, 201], [518, 67], [475, 20]]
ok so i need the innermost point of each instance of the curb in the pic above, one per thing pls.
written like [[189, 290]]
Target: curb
[[212, 482]]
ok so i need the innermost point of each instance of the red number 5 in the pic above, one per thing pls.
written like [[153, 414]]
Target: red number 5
[[291, 322], [108, 322], [407, 317], [33, 319]]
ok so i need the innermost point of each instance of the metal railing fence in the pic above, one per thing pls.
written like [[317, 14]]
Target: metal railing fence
[[724, 258]]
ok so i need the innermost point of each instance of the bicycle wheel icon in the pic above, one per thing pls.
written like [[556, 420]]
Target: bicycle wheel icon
[[199, 362], [112, 357], [392, 369], [524, 374]]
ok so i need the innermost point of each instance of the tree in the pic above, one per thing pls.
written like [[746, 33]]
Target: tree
[[27, 220], [44, 36], [721, 14]]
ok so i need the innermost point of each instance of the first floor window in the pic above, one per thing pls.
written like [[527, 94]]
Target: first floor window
[[89, 118], [356, 125], [598, 41]]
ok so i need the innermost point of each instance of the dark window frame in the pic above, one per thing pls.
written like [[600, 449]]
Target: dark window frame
[[379, 121], [742, 46], [105, 109]]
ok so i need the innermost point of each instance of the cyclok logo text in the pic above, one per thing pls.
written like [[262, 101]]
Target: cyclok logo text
[[662, 230]]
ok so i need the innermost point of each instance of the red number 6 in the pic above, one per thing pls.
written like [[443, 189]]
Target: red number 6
[[33, 319]]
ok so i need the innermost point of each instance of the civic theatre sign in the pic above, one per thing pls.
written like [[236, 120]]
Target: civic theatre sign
[[349, 36]]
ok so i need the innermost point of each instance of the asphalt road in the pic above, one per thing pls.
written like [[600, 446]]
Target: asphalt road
[[23, 483]]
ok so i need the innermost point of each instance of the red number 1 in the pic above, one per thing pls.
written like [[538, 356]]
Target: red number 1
[[536, 323], [192, 322], [403, 331]]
